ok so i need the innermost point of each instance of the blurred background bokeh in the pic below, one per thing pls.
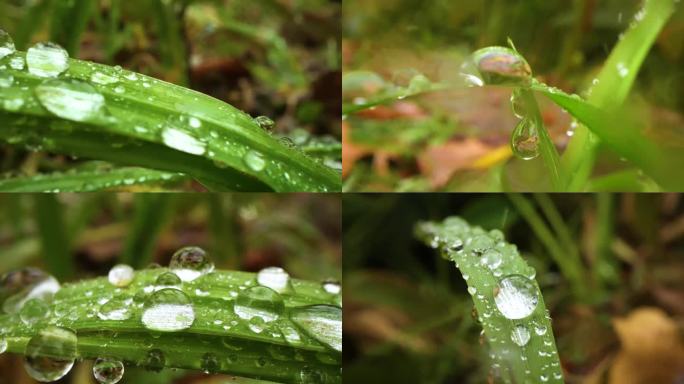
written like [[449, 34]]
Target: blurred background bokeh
[[458, 139], [81, 236], [409, 319]]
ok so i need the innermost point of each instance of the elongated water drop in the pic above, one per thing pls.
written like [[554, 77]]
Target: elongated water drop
[[47, 59], [103, 78], [525, 140], [18, 287], [6, 44], [50, 354], [168, 310], [332, 287], [515, 297], [108, 371], [261, 302], [254, 160], [177, 139], [502, 65], [70, 99], [190, 263], [275, 278], [520, 335], [321, 322], [264, 122], [121, 275]]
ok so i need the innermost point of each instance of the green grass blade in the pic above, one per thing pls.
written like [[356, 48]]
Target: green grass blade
[[51, 223], [216, 329], [536, 360], [69, 20], [152, 212], [89, 179], [139, 109]]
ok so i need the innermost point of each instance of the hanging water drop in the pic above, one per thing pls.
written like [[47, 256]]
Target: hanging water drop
[[189, 263], [108, 371], [6, 44], [321, 322], [502, 65], [254, 160], [47, 60], [18, 287], [518, 104], [154, 360], [121, 275], [264, 122], [70, 99], [168, 310], [260, 302], [50, 354], [525, 140], [520, 335], [515, 297], [275, 278]]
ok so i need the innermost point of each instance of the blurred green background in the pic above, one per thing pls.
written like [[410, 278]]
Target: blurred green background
[[408, 317], [80, 236], [458, 140]]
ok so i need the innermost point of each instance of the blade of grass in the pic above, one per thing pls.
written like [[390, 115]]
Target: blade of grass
[[151, 213], [224, 228], [69, 20], [562, 231], [49, 214]]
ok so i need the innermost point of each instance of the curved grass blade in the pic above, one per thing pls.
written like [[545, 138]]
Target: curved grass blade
[[522, 347], [54, 241], [90, 179], [150, 123], [274, 354]]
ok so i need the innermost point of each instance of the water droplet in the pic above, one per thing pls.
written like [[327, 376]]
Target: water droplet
[[121, 275], [275, 278], [492, 259], [515, 297], [47, 59], [190, 263], [33, 311], [525, 140], [103, 79], [254, 160], [210, 363], [520, 335], [332, 287], [108, 371], [70, 99], [264, 122], [182, 141], [419, 83], [194, 122], [6, 79], [518, 104], [321, 322], [6, 44], [168, 310], [502, 65], [259, 302], [117, 308], [309, 375], [3, 344], [540, 329], [622, 69], [257, 324], [18, 287], [168, 279], [50, 354], [472, 290], [154, 361], [17, 62]]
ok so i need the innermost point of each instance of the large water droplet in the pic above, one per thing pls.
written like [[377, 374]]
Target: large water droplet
[[50, 354], [177, 139], [6, 44], [190, 263], [6, 79], [502, 65], [47, 59], [33, 311], [515, 297], [70, 99], [520, 335], [108, 371], [275, 278], [254, 160], [117, 308], [18, 287], [264, 122], [168, 310], [121, 275], [525, 140], [492, 259], [154, 360], [321, 322], [168, 279], [261, 302]]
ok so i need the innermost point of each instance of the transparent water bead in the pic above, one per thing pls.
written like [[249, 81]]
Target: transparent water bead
[[154, 360], [520, 335], [34, 311], [103, 78], [18, 287], [70, 99], [254, 160], [108, 371], [50, 354], [121, 275], [275, 278], [168, 310], [332, 287], [540, 329], [210, 363], [525, 140], [17, 63], [116, 308], [47, 59], [518, 104], [515, 297], [6, 44], [321, 322], [261, 302], [189, 263], [168, 279], [501, 65], [6, 80], [177, 139], [492, 259], [264, 122]]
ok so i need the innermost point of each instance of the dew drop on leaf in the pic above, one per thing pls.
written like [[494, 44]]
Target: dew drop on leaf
[[190, 263], [518, 104], [50, 354], [515, 297], [210, 363], [275, 278], [6, 44], [260, 302], [103, 78], [177, 139], [121, 275], [116, 308], [3, 344], [525, 140], [332, 287], [168, 279], [502, 66], [264, 122], [108, 371], [492, 259], [17, 62], [321, 322], [33, 311], [47, 59], [254, 160], [520, 335], [70, 99], [168, 310], [540, 329], [6, 79], [18, 287], [154, 360]]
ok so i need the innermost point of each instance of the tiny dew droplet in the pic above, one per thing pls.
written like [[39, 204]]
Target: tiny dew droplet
[[520, 335], [254, 160], [502, 65], [6, 79], [121, 275], [168, 310], [515, 297], [189, 263], [275, 278], [50, 354], [264, 122], [540, 329], [6, 44], [321, 322], [260, 302], [525, 140], [154, 360], [210, 363], [70, 99], [332, 287], [108, 371], [103, 78], [47, 59]]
